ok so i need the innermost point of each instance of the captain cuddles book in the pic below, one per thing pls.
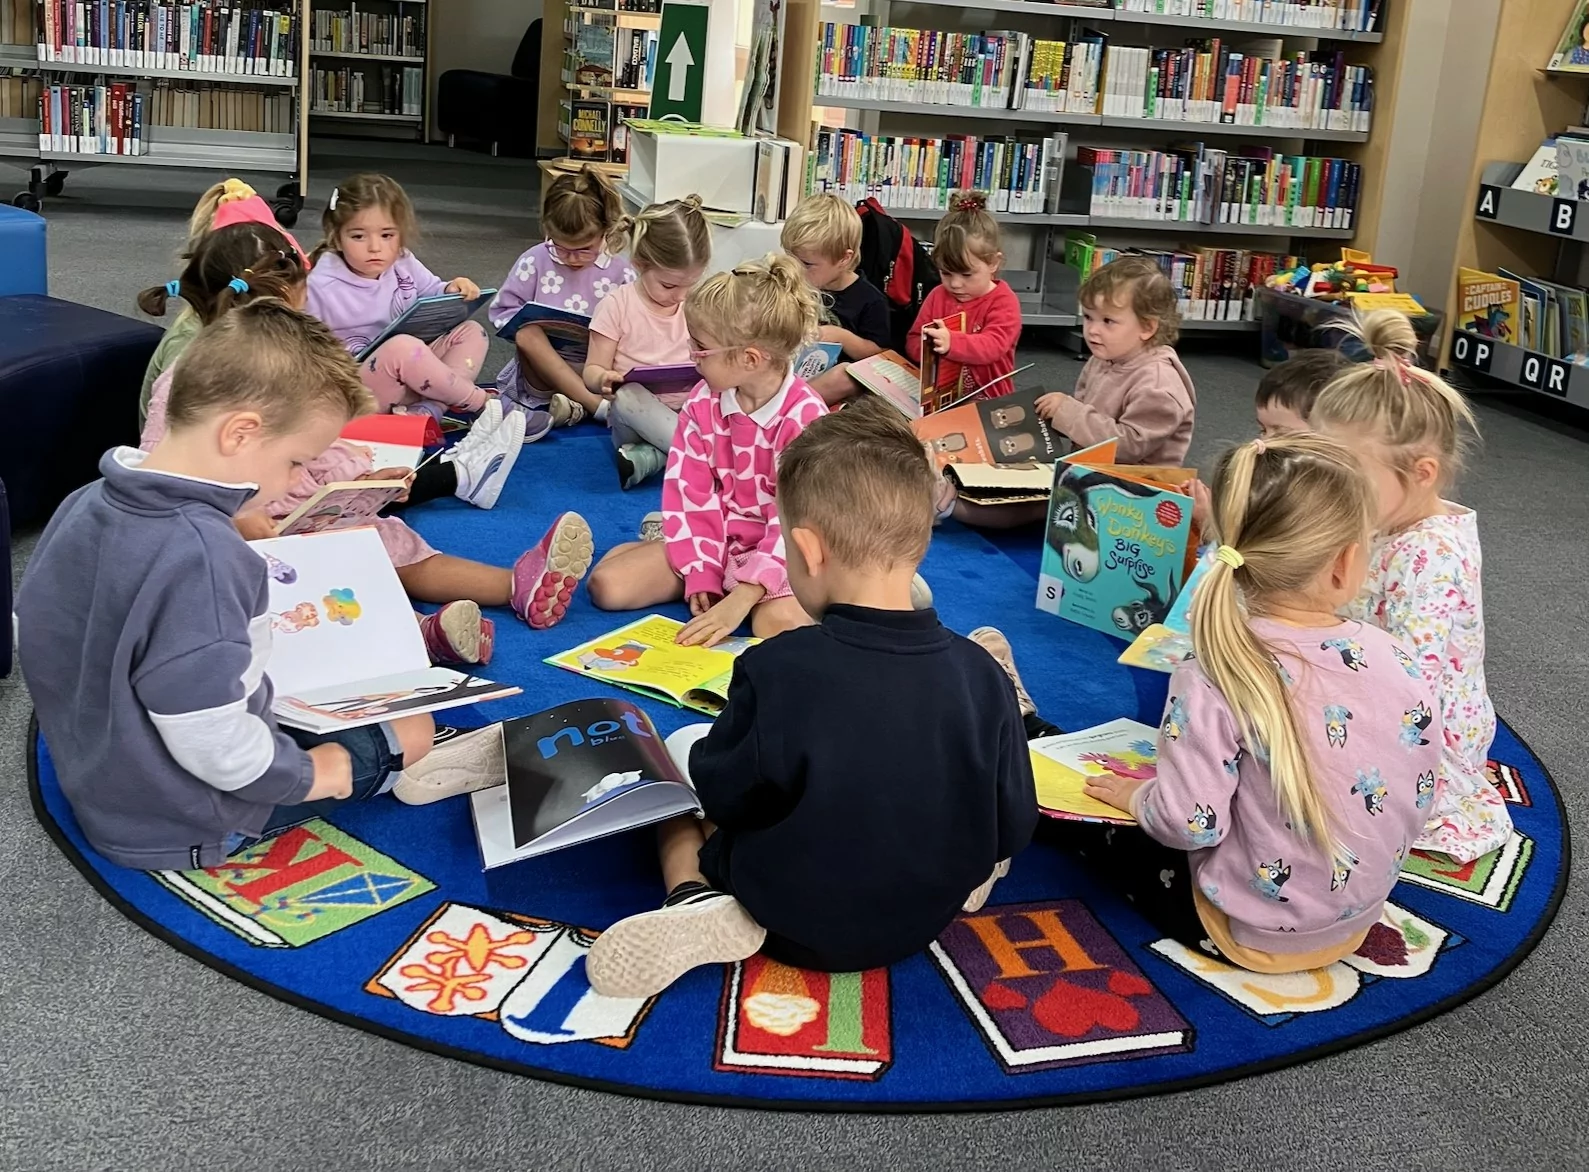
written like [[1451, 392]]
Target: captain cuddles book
[[1119, 542], [1488, 304]]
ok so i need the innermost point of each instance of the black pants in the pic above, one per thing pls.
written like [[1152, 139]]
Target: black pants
[[432, 482]]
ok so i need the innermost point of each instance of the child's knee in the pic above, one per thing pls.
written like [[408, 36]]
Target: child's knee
[[415, 735], [605, 586]]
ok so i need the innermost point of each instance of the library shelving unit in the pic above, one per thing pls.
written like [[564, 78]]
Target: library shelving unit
[[366, 53], [221, 151], [624, 25]]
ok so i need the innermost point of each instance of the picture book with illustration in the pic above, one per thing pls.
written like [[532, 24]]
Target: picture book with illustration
[[894, 377], [393, 441], [1006, 430], [1572, 48], [1062, 765], [341, 504], [943, 380], [431, 317], [817, 358], [1541, 174], [1119, 542], [645, 657], [578, 772], [1489, 304], [568, 332], [345, 649], [1164, 646]]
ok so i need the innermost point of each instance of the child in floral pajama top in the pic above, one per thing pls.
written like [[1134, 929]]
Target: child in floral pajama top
[[1423, 584]]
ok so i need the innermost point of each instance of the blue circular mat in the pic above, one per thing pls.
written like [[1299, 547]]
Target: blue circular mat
[[1057, 992]]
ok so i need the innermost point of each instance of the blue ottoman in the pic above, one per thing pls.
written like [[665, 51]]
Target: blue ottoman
[[69, 381], [22, 257]]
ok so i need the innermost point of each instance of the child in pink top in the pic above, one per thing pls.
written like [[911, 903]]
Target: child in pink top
[[721, 547]]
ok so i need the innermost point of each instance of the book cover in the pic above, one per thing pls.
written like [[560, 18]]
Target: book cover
[[775, 1019], [394, 441], [1539, 174], [1572, 48], [1064, 763], [568, 332], [645, 657], [1006, 430], [1165, 646], [664, 380], [341, 505], [594, 43], [1572, 167], [622, 115], [431, 317], [589, 126], [817, 358], [1119, 542], [943, 380], [1489, 304]]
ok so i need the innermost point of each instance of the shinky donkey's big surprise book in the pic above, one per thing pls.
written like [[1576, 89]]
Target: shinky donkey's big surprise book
[[645, 657]]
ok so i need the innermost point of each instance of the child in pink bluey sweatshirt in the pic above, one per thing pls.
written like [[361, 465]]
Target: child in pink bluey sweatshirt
[[365, 277], [721, 547]]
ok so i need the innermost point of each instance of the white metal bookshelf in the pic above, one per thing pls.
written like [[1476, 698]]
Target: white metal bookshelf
[[375, 63]]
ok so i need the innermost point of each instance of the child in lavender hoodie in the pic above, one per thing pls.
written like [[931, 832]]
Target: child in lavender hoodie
[[364, 277], [1299, 753]]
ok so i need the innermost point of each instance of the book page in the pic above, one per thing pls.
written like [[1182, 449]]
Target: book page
[[341, 505], [893, 377], [1062, 764], [644, 656], [1061, 793], [376, 699]]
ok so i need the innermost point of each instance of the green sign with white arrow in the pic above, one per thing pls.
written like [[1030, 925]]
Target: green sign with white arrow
[[680, 77]]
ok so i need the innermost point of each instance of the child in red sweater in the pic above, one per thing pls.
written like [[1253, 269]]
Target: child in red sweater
[[966, 250]]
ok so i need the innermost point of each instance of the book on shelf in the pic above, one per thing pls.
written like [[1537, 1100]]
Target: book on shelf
[[1572, 163], [645, 657], [1213, 284], [221, 107], [1063, 764], [19, 96], [622, 114], [91, 119], [1572, 48], [376, 88], [1333, 15], [1489, 304], [921, 174], [776, 181], [16, 23], [346, 650], [589, 130], [428, 318], [634, 58], [352, 31], [234, 39], [594, 54], [1539, 174], [575, 773]]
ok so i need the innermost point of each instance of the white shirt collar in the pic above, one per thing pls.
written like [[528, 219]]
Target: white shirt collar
[[132, 459], [767, 412]]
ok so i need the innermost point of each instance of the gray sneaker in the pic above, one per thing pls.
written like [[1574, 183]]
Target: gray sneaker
[[458, 765], [651, 527], [644, 954], [637, 463], [992, 640]]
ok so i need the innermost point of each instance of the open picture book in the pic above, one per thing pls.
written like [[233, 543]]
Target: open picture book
[[644, 657], [1063, 763], [342, 504], [430, 317], [1165, 646], [922, 390], [568, 332], [578, 772], [345, 648]]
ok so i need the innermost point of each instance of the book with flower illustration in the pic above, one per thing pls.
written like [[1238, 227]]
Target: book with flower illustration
[[346, 650], [1063, 763], [430, 317], [645, 657]]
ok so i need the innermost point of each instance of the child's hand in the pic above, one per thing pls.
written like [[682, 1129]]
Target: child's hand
[[1049, 405], [333, 773], [723, 619], [833, 334], [1116, 791], [701, 602], [464, 286], [611, 380], [254, 524], [1202, 506], [406, 475], [937, 334]]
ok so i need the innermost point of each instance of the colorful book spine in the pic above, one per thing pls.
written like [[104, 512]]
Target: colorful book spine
[[919, 174], [199, 38]]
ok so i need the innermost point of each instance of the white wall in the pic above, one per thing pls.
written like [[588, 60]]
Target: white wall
[[477, 34]]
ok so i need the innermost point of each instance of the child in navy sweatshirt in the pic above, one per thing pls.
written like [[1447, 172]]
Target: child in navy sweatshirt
[[869, 776]]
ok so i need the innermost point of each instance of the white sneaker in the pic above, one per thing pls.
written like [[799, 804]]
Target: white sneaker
[[459, 765], [483, 469], [487, 422], [920, 594], [564, 411]]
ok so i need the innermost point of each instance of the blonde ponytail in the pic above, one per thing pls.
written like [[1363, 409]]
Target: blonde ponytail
[[765, 303]]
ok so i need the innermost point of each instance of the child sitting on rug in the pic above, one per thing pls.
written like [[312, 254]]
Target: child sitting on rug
[[721, 547], [154, 699], [868, 778], [364, 277], [1297, 756], [575, 268], [1407, 427]]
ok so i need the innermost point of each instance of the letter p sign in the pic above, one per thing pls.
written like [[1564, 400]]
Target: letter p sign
[[1471, 351]]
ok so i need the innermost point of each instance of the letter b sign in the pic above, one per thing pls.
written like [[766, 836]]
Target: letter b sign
[[1563, 215]]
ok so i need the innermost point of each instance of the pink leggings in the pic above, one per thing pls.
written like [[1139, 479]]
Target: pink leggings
[[405, 370]]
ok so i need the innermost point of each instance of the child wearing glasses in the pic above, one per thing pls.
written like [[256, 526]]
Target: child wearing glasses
[[575, 268]]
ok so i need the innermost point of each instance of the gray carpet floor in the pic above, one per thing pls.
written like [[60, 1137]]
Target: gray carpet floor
[[120, 1053]]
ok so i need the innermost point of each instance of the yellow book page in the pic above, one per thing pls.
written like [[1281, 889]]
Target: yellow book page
[[644, 655], [1062, 791]]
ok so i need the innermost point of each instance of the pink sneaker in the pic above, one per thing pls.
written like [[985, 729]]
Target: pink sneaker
[[544, 577], [458, 634]]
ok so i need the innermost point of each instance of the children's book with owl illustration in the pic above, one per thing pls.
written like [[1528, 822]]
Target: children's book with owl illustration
[[575, 773], [645, 657], [1119, 542], [345, 648], [430, 317], [1003, 431], [341, 505], [1062, 765]]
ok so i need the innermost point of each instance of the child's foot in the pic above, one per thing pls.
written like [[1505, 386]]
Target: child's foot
[[651, 527], [992, 640], [977, 898], [483, 468], [920, 594], [458, 634], [643, 955], [458, 765], [544, 577], [564, 411], [637, 463]]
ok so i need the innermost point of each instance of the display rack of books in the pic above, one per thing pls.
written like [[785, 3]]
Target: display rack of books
[[608, 61], [1245, 99], [369, 64], [214, 86]]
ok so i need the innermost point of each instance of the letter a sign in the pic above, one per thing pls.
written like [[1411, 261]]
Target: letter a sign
[[679, 83]]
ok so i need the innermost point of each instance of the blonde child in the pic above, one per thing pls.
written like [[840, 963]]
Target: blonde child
[[1424, 573], [823, 233], [1289, 789], [237, 265], [575, 268], [968, 254], [721, 548], [365, 276], [1133, 388], [643, 325]]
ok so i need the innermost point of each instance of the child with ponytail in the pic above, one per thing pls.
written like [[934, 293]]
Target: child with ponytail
[[721, 547], [1289, 787], [1424, 586], [575, 268], [365, 276]]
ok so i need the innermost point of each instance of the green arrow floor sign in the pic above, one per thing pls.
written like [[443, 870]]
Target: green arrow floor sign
[[679, 83]]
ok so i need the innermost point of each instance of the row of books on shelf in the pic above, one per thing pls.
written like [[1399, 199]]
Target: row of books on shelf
[[596, 130], [214, 37], [1559, 167], [1207, 81], [16, 22], [164, 103], [921, 173], [1543, 316], [1339, 15], [367, 89], [1214, 284], [19, 96], [352, 31], [604, 57], [617, 6], [217, 107], [92, 119], [1197, 184]]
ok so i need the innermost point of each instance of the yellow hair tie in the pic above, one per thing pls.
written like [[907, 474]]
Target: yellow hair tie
[[1231, 556], [234, 189]]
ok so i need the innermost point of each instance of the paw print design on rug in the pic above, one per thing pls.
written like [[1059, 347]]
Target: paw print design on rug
[[1401, 945], [1048, 986], [297, 887], [779, 1020], [1491, 880], [528, 975]]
